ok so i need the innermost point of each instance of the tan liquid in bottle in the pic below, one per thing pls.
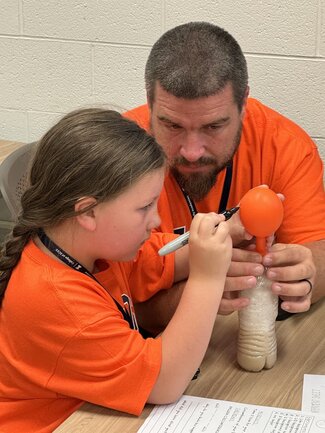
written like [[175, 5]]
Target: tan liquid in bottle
[[256, 345]]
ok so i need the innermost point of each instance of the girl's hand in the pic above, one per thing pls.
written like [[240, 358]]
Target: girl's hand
[[210, 247]]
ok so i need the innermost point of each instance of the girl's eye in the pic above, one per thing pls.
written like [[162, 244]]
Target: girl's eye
[[148, 206]]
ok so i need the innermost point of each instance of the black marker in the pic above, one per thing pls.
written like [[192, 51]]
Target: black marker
[[182, 240]]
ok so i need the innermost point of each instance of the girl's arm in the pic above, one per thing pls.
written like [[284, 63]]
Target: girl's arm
[[186, 337]]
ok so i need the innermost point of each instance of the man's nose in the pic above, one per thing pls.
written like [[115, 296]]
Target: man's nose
[[192, 147]]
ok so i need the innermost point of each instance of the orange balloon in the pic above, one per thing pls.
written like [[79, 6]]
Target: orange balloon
[[261, 212]]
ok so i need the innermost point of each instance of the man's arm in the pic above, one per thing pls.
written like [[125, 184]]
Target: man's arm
[[154, 314], [318, 250]]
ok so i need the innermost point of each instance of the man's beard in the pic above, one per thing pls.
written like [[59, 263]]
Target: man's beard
[[198, 185]]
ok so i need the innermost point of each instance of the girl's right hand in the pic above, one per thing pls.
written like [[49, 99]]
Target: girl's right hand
[[210, 247]]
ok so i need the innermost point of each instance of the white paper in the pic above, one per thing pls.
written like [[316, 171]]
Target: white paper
[[195, 414], [313, 393]]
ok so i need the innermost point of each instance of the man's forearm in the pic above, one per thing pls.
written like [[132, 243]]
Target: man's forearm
[[154, 314], [318, 250]]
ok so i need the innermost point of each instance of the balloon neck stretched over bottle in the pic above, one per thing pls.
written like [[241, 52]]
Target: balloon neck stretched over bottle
[[261, 245]]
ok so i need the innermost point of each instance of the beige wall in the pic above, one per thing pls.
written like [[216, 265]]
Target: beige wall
[[57, 55]]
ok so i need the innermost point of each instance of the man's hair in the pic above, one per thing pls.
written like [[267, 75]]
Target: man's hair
[[89, 153], [196, 60]]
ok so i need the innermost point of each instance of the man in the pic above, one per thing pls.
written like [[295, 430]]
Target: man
[[220, 143]]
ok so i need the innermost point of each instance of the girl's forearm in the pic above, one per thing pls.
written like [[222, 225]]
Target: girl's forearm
[[186, 338]]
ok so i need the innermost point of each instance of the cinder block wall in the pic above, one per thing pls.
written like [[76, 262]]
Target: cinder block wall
[[57, 55]]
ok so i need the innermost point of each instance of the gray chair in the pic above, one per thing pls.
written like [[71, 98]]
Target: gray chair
[[14, 176]]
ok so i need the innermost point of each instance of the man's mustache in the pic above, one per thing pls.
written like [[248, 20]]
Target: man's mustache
[[203, 161]]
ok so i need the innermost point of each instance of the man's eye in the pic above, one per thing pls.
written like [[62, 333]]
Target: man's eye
[[214, 126], [173, 126]]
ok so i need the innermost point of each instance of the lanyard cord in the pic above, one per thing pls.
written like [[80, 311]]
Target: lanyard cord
[[224, 195], [74, 264], [226, 188]]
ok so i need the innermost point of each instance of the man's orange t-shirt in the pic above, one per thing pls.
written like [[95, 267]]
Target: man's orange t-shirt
[[273, 150], [63, 340]]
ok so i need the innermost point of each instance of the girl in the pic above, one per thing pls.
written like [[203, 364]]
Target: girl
[[68, 334]]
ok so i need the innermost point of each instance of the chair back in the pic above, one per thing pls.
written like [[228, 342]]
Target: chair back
[[14, 171]]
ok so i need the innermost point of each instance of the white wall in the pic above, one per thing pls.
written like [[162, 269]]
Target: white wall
[[57, 55]]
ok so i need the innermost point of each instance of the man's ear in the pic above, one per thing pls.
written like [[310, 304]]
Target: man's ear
[[150, 115], [86, 219], [243, 110]]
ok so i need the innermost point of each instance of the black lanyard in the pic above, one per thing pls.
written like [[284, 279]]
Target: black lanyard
[[224, 195], [74, 264]]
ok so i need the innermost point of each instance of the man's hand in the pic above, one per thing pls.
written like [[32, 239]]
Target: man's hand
[[288, 265], [244, 268]]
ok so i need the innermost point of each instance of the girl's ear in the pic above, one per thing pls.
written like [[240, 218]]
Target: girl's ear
[[87, 218]]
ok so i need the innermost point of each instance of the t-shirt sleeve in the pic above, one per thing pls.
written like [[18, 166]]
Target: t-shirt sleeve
[[108, 364], [151, 272], [301, 182], [139, 115]]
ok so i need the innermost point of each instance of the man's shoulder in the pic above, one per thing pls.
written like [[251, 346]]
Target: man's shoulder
[[140, 115], [258, 109], [266, 120]]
